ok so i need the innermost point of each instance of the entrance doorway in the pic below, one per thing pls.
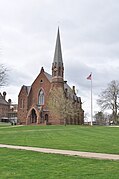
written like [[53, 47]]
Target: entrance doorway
[[33, 116]]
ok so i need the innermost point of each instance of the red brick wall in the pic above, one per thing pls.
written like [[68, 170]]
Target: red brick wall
[[22, 104], [41, 82], [37, 85], [4, 109]]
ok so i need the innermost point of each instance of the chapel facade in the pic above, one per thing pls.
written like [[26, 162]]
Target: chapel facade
[[33, 101]]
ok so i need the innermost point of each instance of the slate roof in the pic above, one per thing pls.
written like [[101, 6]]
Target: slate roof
[[49, 77], [28, 89]]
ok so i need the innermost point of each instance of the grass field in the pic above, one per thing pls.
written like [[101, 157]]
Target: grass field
[[93, 139], [18, 164]]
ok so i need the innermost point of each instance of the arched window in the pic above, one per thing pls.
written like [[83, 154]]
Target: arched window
[[41, 98]]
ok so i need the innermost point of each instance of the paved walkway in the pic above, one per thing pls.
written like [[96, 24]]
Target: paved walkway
[[65, 152]]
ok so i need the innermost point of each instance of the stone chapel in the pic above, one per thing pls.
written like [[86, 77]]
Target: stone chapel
[[33, 101]]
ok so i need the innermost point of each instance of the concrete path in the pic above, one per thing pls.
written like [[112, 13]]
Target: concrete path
[[65, 152]]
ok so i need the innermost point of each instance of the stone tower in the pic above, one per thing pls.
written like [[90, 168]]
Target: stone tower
[[57, 65]]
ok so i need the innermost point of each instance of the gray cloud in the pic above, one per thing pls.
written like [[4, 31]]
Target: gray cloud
[[89, 36]]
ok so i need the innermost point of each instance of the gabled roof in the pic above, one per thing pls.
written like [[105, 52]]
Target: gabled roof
[[26, 88], [2, 100], [66, 86]]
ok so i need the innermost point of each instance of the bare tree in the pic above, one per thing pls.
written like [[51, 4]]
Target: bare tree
[[101, 118], [3, 75], [109, 99]]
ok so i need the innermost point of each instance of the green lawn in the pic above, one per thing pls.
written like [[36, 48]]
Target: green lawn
[[83, 138], [18, 164]]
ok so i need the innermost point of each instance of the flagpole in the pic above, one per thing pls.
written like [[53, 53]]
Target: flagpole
[[91, 103], [90, 78]]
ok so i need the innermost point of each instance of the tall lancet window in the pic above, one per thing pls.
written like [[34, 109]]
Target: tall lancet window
[[41, 97]]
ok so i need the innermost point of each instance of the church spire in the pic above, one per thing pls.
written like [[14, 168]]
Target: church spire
[[58, 51], [57, 65]]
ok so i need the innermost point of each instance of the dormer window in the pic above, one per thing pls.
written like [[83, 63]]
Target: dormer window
[[41, 98]]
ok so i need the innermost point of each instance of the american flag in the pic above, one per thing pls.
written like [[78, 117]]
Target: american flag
[[89, 77]]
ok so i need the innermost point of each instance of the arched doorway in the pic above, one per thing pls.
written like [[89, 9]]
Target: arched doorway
[[33, 116]]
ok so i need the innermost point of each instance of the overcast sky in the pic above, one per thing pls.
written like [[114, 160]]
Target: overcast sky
[[89, 31]]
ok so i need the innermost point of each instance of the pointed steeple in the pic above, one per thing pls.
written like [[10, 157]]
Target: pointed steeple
[[58, 51], [57, 65]]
